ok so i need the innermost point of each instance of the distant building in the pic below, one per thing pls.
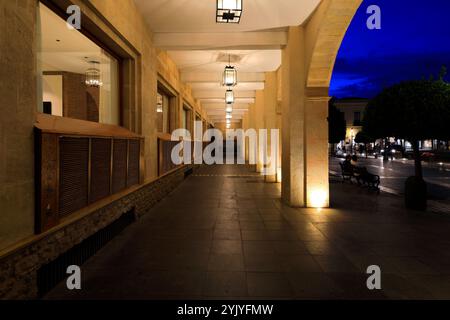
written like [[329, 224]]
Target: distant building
[[353, 109]]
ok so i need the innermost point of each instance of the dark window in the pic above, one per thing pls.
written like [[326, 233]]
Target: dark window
[[357, 119]]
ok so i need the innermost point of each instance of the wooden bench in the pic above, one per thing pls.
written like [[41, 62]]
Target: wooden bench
[[362, 177]]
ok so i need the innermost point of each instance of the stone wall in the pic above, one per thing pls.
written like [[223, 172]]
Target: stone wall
[[18, 269], [119, 26], [18, 105]]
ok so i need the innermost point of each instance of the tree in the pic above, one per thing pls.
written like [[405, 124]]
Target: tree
[[336, 123], [414, 111], [363, 138]]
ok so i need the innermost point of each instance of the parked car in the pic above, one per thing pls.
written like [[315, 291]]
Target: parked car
[[340, 154], [427, 156], [396, 151]]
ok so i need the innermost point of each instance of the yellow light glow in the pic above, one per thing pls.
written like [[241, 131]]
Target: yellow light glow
[[318, 199], [278, 174]]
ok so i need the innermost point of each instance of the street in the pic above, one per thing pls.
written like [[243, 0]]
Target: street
[[393, 174]]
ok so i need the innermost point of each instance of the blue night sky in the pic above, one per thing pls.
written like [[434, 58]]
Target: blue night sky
[[413, 43]]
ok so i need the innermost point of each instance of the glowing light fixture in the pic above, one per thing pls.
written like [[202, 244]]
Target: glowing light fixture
[[228, 121], [229, 75], [228, 116], [229, 108], [159, 103], [229, 96], [229, 11], [318, 199], [93, 75]]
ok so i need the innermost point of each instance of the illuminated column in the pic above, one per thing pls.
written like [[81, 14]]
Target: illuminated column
[[293, 118], [259, 124], [316, 148], [270, 119], [252, 125], [245, 126]]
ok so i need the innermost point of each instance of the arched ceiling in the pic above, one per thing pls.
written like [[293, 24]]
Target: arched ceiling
[[188, 31]]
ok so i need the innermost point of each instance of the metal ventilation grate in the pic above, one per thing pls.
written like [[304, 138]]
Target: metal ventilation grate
[[73, 164], [100, 169], [133, 162], [119, 181]]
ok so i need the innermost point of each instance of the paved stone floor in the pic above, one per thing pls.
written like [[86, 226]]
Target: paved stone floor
[[225, 234]]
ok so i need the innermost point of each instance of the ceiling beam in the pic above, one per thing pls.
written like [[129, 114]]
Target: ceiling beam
[[216, 77], [236, 106], [217, 86], [222, 100], [264, 40], [220, 94], [222, 112]]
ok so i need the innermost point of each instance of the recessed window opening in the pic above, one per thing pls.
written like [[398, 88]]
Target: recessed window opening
[[79, 79]]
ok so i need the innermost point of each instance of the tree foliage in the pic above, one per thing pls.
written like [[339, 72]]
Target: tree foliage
[[336, 123], [363, 137], [412, 110]]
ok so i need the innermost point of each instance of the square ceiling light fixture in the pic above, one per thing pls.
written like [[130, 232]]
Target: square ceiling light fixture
[[229, 11]]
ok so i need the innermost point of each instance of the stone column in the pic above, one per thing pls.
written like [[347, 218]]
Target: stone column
[[245, 126], [21, 98], [293, 118], [252, 125], [259, 124], [270, 120], [316, 148]]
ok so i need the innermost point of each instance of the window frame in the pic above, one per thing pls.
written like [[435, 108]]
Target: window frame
[[121, 62]]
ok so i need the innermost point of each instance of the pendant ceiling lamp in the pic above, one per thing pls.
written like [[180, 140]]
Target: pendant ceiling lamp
[[229, 96], [229, 75]]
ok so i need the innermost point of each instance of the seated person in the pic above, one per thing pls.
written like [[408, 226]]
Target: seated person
[[354, 160], [361, 173], [347, 164]]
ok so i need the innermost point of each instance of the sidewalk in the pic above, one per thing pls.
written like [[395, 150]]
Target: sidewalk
[[224, 233], [441, 207]]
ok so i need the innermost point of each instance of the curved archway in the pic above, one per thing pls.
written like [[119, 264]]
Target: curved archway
[[325, 33], [307, 66]]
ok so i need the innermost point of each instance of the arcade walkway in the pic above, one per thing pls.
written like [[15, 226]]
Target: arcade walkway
[[223, 233]]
